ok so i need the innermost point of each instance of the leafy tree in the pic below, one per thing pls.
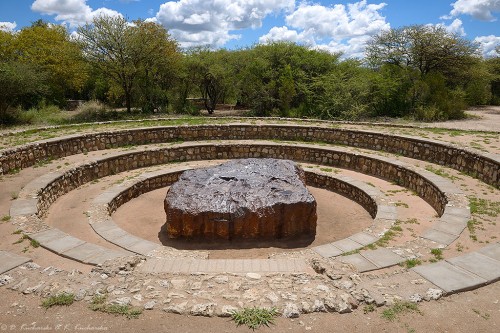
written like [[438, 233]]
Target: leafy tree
[[50, 49], [126, 51], [18, 81]]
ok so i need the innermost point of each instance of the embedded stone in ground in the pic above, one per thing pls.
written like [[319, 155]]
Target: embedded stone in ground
[[241, 199]]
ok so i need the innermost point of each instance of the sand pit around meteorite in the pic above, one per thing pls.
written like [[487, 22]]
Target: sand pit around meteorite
[[252, 198]]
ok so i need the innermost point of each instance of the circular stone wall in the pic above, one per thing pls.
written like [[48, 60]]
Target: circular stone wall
[[241, 199]]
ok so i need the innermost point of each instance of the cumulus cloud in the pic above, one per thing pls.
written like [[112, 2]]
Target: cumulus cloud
[[201, 22], [479, 9], [338, 28], [454, 27], [488, 44], [72, 12], [8, 26]]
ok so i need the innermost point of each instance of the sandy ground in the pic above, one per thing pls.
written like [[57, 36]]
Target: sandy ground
[[477, 311]]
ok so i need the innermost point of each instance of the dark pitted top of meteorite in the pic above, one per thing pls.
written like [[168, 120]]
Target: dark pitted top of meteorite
[[246, 183]]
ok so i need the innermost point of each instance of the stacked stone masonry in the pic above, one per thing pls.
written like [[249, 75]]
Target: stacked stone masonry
[[484, 166]]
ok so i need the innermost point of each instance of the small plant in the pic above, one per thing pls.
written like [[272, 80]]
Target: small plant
[[410, 263], [459, 247], [99, 304], [20, 240], [254, 317], [438, 255], [401, 204], [6, 218], [17, 232], [34, 243], [484, 207], [399, 308], [14, 196], [326, 169], [368, 308], [61, 299]]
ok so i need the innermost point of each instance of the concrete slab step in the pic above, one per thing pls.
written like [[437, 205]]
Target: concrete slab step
[[10, 260]]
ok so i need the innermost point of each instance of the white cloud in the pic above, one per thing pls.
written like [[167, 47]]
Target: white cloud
[[338, 28], [487, 45], [454, 27], [479, 9], [72, 12], [202, 22], [8, 26]]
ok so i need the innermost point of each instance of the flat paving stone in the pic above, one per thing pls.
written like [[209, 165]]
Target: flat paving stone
[[106, 255], [479, 264], [223, 266], [84, 251], [48, 235], [439, 236], [459, 211], [448, 277], [492, 251], [363, 238], [449, 228], [63, 244], [143, 247], [382, 257], [21, 207], [359, 262], [347, 245], [10, 260], [454, 219], [327, 250]]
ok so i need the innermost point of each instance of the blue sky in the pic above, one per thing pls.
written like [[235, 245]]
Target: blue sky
[[331, 25]]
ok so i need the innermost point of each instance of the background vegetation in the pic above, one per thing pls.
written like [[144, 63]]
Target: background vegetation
[[420, 72]]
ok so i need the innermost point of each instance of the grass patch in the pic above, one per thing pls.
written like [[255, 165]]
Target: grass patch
[[472, 225], [484, 207], [254, 317], [59, 300], [440, 172], [326, 169], [438, 255], [350, 252], [410, 263], [398, 308], [99, 304], [5, 218], [401, 204], [34, 243], [368, 308]]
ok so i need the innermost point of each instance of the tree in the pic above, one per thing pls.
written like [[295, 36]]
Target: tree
[[17, 81], [50, 49], [433, 66], [125, 51], [422, 48]]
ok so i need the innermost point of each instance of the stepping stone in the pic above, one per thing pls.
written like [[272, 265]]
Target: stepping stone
[[347, 245], [448, 277], [363, 238], [382, 257], [21, 207], [63, 244], [143, 247], [84, 251], [386, 212], [439, 236], [48, 235], [327, 250], [449, 228], [479, 264], [106, 254], [9, 261], [492, 251], [359, 262]]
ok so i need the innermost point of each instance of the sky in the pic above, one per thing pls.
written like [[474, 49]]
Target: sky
[[336, 26]]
